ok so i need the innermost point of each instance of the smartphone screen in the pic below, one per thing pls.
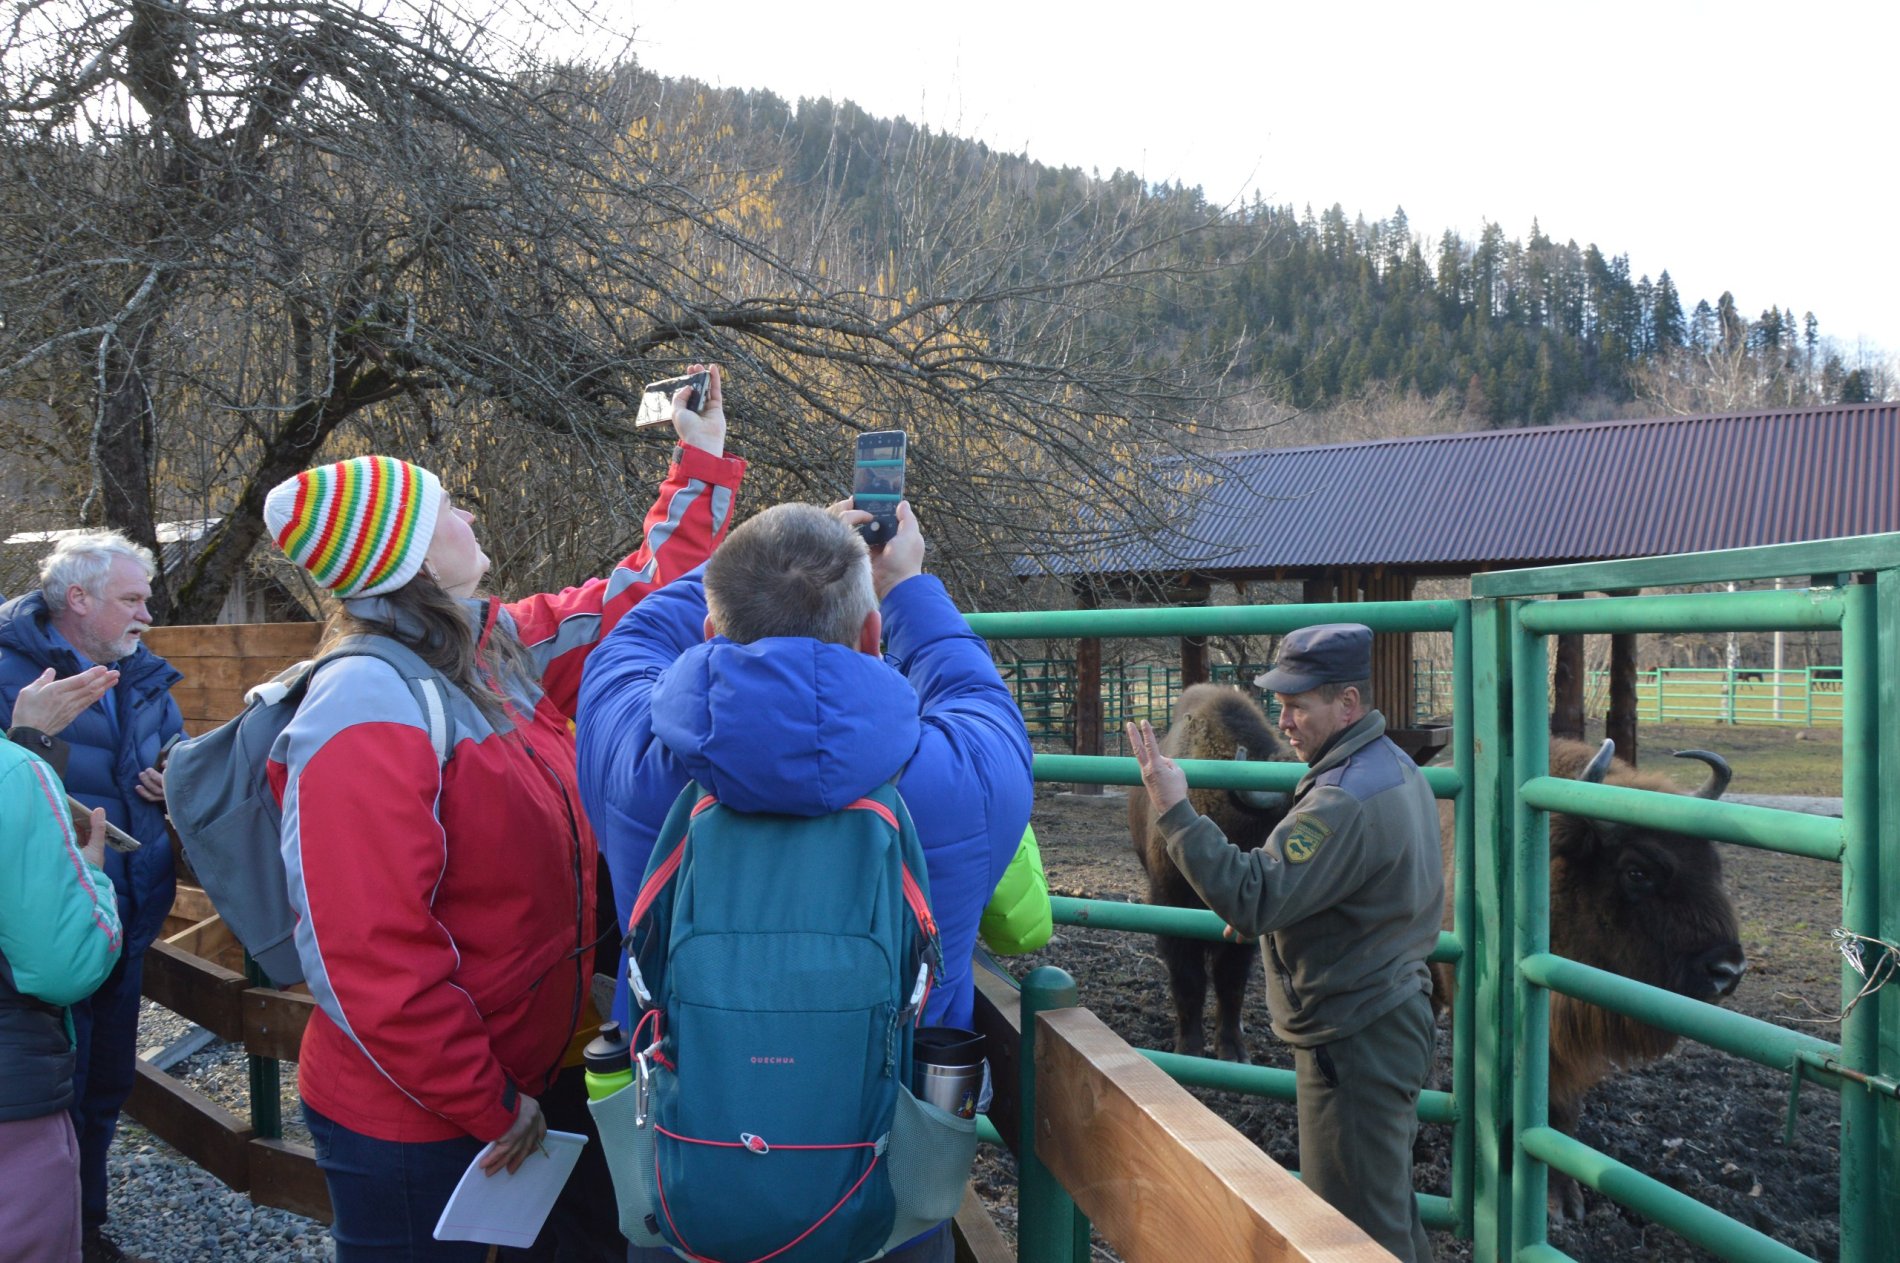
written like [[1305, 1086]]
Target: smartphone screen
[[877, 483]]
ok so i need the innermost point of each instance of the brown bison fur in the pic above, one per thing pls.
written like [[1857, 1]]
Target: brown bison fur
[[1632, 901], [1210, 721]]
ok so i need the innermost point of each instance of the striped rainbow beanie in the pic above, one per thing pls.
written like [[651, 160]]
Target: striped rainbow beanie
[[360, 527]]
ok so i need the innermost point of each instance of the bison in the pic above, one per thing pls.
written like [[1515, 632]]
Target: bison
[[1211, 721], [1631, 900]]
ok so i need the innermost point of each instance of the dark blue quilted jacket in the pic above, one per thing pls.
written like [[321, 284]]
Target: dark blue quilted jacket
[[107, 754]]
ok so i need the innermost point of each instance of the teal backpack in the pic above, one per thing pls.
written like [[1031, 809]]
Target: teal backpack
[[780, 965]]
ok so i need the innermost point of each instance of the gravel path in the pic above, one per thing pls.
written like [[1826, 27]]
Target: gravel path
[[170, 1211]]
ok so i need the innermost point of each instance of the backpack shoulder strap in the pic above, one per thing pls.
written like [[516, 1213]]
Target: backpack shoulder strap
[[424, 681]]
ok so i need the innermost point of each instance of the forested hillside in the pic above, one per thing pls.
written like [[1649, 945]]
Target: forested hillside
[[1316, 307]]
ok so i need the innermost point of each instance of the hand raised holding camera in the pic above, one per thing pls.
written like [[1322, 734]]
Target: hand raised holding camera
[[704, 427], [896, 561], [900, 559]]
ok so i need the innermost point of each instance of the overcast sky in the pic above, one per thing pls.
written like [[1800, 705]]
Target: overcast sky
[[1741, 146]]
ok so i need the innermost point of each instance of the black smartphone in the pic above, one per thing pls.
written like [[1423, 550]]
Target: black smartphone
[[877, 483], [656, 398]]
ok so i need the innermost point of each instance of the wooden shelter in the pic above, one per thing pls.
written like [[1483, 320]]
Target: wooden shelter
[[1367, 521]]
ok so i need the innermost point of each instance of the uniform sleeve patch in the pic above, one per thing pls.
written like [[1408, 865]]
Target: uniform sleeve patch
[[1304, 842]]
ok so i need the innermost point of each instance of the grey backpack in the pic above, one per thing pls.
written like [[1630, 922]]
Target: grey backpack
[[219, 798]]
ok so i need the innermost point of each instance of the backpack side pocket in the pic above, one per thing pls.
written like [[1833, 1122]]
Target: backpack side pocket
[[931, 1154], [628, 1148]]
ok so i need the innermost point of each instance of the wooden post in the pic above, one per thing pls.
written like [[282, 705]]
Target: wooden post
[[1087, 710], [1193, 661], [1566, 718], [1620, 724], [1393, 682], [1319, 590]]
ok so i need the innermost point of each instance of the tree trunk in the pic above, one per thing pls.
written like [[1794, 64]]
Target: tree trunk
[[122, 454]]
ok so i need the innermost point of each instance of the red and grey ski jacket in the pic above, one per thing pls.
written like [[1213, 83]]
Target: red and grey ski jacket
[[446, 904]]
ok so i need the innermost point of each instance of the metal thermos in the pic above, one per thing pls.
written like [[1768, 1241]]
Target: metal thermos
[[609, 1060], [947, 1069]]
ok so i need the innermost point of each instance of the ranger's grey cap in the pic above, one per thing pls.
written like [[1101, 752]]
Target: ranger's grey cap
[[1330, 653]]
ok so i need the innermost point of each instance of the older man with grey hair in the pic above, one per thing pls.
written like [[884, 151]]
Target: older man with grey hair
[[91, 612]]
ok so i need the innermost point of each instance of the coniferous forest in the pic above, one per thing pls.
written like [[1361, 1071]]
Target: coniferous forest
[[1316, 307]]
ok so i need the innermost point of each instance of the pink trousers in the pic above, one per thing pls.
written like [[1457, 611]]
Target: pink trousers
[[39, 1189]]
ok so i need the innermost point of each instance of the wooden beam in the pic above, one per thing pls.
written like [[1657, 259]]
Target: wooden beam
[[978, 1239], [999, 1017], [1087, 709], [1160, 1175], [288, 641], [192, 904], [274, 1022], [285, 1175], [1620, 724], [192, 1123], [1566, 717], [1193, 661], [199, 990]]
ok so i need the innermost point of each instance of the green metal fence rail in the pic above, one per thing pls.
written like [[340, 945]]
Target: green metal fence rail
[[1513, 934], [1051, 1229]]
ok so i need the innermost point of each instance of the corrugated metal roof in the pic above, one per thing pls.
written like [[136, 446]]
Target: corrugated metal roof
[[1455, 502]]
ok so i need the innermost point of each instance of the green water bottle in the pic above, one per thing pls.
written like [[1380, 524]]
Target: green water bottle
[[609, 1061]]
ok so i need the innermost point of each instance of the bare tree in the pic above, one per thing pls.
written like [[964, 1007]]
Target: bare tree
[[238, 239]]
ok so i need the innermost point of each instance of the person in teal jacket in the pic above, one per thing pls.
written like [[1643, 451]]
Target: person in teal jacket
[[59, 938]]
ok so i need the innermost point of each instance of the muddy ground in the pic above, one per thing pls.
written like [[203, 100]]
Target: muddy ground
[[1701, 1121]]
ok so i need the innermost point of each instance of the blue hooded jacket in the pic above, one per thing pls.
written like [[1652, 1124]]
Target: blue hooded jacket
[[109, 750], [801, 727]]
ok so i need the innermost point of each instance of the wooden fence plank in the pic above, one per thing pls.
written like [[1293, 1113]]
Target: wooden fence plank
[[285, 1175], [290, 641], [978, 1239], [192, 904], [192, 1123], [224, 673], [1160, 1175], [208, 703], [999, 1017], [204, 992], [274, 1022]]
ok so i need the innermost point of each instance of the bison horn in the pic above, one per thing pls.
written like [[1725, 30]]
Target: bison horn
[[1266, 801], [1599, 765], [1720, 774]]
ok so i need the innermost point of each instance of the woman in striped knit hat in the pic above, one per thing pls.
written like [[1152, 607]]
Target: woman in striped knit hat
[[441, 867]]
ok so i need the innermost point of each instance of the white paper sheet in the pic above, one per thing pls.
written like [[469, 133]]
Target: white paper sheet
[[504, 1209]]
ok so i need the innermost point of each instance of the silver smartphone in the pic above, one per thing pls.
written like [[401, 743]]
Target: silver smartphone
[[656, 398]]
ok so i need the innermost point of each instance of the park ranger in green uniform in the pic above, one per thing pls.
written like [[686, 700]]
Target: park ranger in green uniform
[[1346, 895]]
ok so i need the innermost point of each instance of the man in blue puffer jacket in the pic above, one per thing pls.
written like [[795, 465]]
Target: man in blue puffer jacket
[[91, 610], [759, 676]]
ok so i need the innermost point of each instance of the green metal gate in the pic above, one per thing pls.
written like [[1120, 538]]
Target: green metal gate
[[1515, 969], [1502, 1145]]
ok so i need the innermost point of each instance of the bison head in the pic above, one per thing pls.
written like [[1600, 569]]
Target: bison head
[[1640, 902]]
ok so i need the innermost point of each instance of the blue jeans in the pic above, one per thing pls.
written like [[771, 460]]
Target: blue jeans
[[106, 1038], [387, 1195]]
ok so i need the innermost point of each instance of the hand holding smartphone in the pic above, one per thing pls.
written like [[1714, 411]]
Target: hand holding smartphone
[[877, 483], [656, 398]]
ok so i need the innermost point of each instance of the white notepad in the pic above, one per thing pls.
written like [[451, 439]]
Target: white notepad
[[504, 1209]]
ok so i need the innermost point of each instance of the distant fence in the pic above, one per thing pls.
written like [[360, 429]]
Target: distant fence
[[1801, 697]]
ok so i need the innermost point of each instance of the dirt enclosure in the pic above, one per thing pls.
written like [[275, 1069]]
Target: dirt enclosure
[[1704, 1122]]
